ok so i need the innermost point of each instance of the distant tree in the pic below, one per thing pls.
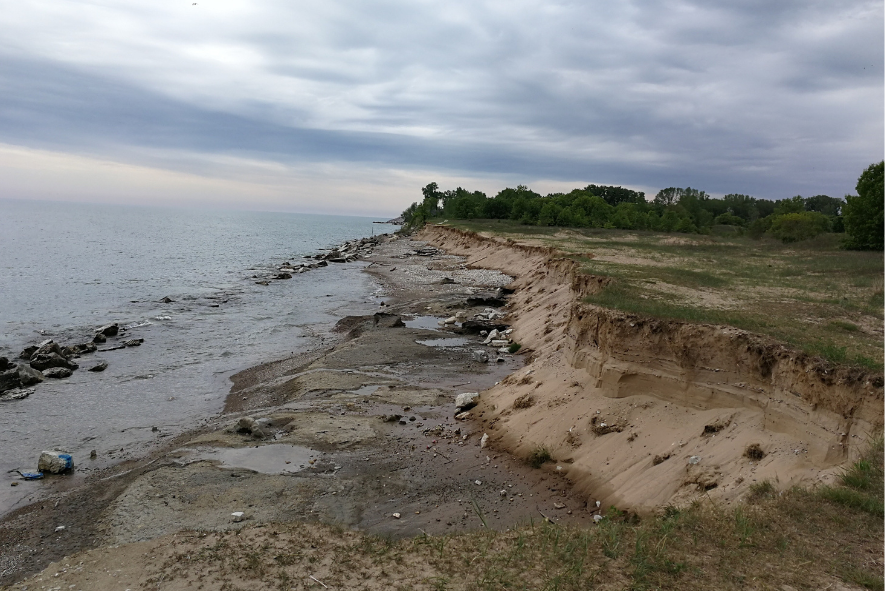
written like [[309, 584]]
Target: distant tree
[[793, 227], [823, 204], [863, 214], [668, 196], [793, 205]]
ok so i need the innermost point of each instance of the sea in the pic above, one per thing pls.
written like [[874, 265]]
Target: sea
[[68, 268]]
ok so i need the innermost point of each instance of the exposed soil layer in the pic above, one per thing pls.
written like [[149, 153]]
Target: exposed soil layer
[[645, 413]]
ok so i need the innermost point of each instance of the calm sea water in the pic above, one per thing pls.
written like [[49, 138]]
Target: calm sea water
[[66, 269]]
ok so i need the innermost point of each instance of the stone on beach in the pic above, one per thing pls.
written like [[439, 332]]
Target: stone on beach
[[58, 373], [480, 356], [100, 366], [466, 400], [55, 462], [110, 330], [44, 361]]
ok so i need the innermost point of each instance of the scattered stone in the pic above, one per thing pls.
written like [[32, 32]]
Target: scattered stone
[[133, 342], [559, 506], [598, 518], [480, 356], [450, 320], [463, 416], [484, 440], [43, 361], [262, 282], [466, 400], [55, 462], [238, 516], [282, 276], [391, 418], [16, 394], [500, 343], [167, 300], [477, 482], [28, 376], [5, 364], [58, 373], [694, 460], [99, 338], [28, 351], [395, 515], [93, 455], [447, 281], [100, 366]]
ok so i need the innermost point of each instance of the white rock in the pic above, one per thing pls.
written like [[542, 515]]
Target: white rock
[[480, 356], [462, 416], [694, 460], [499, 343], [477, 482], [238, 516], [395, 515], [450, 320], [598, 518], [467, 400], [484, 440]]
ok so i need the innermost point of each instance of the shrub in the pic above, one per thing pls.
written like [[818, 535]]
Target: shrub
[[863, 215], [794, 227]]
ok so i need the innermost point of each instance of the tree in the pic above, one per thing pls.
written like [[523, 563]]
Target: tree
[[863, 214]]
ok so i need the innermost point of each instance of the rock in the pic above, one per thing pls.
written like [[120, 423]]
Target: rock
[[16, 394], [480, 356], [694, 460], [55, 462], [42, 361], [385, 320], [486, 301], [28, 376], [282, 276], [47, 347], [110, 330], [466, 400], [322, 264], [337, 260], [167, 300], [391, 418], [499, 343], [450, 320], [395, 515], [77, 350], [100, 366], [598, 518], [262, 282], [238, 516], [484, 440], [57, 373], [463, 416], [133, 342], [5, 364], [559, 506], [447, 281], [27, 352], [99, 338], [246, 425], [461, 315], [9, 379]]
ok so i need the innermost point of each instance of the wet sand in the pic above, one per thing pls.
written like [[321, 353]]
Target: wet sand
[[325, 446]]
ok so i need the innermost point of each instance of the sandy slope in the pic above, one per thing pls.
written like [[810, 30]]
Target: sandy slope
[[644, 413]]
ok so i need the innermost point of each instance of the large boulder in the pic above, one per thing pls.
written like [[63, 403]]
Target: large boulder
[[9, 380], [6, 364], [55, 462], [41, 361], [28, 376]]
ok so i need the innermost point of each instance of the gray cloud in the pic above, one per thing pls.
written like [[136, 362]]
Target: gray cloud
[[771, 100]]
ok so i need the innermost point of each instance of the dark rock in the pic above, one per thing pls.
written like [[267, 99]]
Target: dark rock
[[262, 282], [44, 361], [447, 281], [77, 350], [17, 394], [99, 338], [282, 276], [28, 376], [337, 260], [27, 352], [9, 379], [110, 330], [391, 418], [167, 300], [5, 364], [385, 320], [100, 366], [57, 373], [490, 301], [322, 264], [475, 326], [133, 342]]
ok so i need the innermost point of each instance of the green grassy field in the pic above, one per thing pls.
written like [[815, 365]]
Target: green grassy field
[[812, 295]]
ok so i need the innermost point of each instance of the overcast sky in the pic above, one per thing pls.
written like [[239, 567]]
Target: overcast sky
[[353, 106]]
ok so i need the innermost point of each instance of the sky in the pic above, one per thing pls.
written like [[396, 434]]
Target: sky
[[323, 106]]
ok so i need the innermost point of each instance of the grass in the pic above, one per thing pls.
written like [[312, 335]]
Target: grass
[[540, 455], [806, 539], [811, 295]]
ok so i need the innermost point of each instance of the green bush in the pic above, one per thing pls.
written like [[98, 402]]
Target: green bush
[[863, 215], [794, 227]]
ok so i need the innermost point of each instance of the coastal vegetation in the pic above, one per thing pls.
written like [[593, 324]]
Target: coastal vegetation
[[673, 209]]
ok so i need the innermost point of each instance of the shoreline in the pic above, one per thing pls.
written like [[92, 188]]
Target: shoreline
[[374, 369]]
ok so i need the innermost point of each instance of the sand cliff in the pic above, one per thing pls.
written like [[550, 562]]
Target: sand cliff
[[642, 413]]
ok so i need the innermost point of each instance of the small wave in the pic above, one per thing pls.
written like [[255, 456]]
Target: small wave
[[162, 318]]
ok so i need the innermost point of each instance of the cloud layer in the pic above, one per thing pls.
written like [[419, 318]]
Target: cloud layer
[[770, 100]]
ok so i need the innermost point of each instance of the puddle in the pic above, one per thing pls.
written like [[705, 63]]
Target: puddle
[[424, 322], [365, 390], [450, 342], [266, 459]]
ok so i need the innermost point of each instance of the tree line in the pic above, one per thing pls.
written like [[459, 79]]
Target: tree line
[[672, 209]]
